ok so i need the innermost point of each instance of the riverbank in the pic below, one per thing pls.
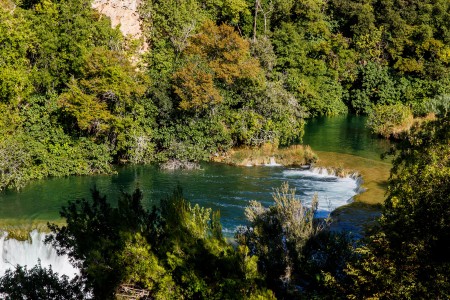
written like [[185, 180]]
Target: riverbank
[[218, 186], [156, 183], [20, 229], [364, 211], [372, 173]]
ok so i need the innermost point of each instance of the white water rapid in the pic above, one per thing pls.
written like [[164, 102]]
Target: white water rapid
[[220, 187], [333, 191], [27, 253]]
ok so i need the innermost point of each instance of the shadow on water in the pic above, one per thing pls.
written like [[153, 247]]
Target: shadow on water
[[355, 218], [217, 186]]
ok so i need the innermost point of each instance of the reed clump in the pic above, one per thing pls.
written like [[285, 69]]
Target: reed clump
[[269, 154]]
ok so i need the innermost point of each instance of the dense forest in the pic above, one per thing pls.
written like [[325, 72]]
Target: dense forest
[[76, 96]]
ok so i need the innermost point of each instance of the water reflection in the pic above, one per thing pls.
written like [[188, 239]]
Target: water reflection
[[344, 134], [221, 187]]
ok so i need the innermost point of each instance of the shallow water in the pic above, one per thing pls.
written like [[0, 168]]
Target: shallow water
[[345, 142]]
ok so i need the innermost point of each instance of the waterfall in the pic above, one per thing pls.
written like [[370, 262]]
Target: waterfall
[[323, 171], [333, 188], [272, 162], [27, 253]]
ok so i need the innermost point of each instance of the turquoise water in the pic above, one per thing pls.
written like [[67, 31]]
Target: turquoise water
[[221, 187], [348, 135]]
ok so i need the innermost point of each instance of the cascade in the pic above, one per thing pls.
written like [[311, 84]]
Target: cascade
[[27, 253], [220, 187], [333, 190], [272, 162]]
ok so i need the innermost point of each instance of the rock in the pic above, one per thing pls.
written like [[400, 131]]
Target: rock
[[123, 13]]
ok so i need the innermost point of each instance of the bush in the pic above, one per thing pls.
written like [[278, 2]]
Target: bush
[[390, 120], [278, 235], [407, 256], [439, 105], [40, 283]]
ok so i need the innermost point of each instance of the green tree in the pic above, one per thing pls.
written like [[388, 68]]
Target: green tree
[[407, 258], [67, 31], [16, 43], [34, 145], [278, 235], [390, 120], [218, 57], [39, 283], [314, 66], [94, 235], [176, 251]]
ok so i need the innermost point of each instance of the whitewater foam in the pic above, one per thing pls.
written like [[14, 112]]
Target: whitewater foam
[[28, 253], [333, 191], [272, 163]]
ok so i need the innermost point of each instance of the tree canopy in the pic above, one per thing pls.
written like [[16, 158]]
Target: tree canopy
[[406, 256]]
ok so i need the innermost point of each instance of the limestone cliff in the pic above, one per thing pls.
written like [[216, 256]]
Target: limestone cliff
[[123, 13]]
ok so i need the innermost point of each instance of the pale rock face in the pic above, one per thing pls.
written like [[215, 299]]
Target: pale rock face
[[123, 13]]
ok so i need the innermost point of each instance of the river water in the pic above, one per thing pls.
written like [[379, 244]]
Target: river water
[[344, 134], [221, 187]]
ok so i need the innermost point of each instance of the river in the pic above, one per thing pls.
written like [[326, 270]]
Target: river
[[345, 142], [221, 187]]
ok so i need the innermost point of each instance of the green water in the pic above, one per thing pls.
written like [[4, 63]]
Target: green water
[[221, 187], [344, 134]]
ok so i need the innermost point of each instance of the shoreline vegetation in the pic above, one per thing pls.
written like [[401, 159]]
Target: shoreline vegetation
[[373, 173], [216, 76], [395, 121], [77, 97], [21, 232], [268, 154], [283, 254]]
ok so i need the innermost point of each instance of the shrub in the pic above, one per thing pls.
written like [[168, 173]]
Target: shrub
[[390, 120]]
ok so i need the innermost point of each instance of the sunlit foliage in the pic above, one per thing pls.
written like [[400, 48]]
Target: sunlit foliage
[[176, 251], [407, 256]]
